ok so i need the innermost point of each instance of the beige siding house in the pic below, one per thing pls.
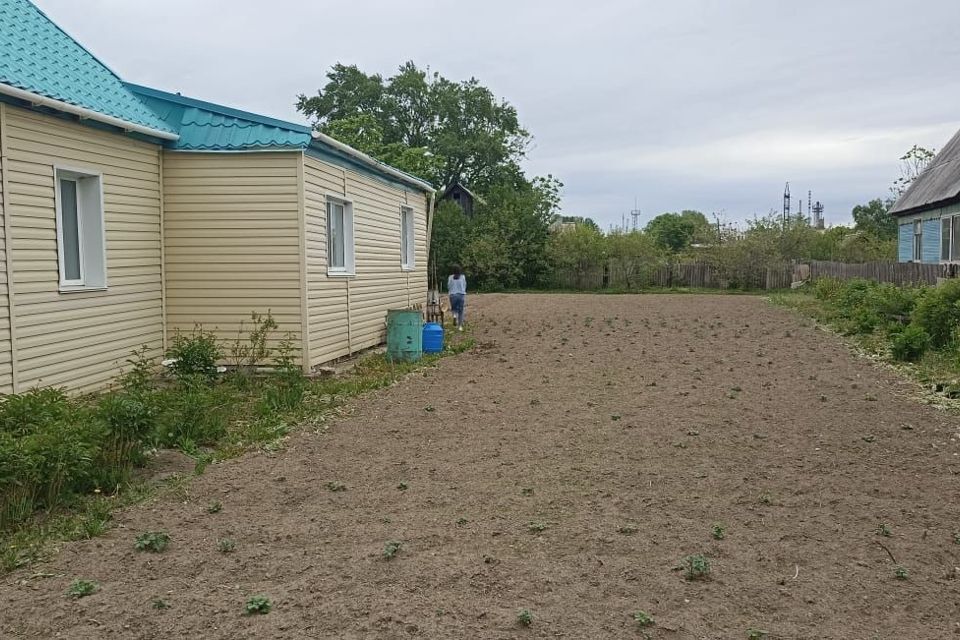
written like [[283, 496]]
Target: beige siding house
[[129, 214]]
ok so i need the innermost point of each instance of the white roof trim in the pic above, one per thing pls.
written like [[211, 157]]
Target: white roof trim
[[376, 164], [66, 107]]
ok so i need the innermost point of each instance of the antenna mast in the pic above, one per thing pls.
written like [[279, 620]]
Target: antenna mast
[[786, 203]]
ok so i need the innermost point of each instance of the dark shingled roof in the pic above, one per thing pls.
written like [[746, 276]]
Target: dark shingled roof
[[937, 185]]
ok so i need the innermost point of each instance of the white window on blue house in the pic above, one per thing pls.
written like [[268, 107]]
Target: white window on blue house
[[950, 239], [81, 241], [918, 240]]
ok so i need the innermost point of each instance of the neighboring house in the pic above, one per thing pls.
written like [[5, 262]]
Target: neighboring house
[[128, 213], [928, 212], [462, 197]]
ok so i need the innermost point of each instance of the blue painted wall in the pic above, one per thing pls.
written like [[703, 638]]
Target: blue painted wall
[[905, 242], [931, 240]]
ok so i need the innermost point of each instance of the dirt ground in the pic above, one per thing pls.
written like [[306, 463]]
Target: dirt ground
[[627, 426]]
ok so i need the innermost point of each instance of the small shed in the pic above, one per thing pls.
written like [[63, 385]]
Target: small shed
[[462, 197]]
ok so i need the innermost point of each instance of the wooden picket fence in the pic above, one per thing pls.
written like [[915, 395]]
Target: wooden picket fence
[[901, 273], [674, 274]]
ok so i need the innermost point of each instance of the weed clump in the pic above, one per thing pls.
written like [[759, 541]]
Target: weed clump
[[696, 567], [257, 605], [82, 588], [152, 541]]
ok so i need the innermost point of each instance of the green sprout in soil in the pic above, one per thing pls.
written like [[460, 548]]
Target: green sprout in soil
[[226, 545], [336, 486], [528, 491], [82, 588], [537, 527], [628, 529], [160, 604], [696, 567], [403, 486], [718, 532], [153, 541], [756, 634], [391, 549], [901, 573], [884, 530], [215, 507], [257, 605], [643, 619], [524, 617]]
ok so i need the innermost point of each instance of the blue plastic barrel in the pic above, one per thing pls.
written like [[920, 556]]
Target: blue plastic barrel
[[432, 337]]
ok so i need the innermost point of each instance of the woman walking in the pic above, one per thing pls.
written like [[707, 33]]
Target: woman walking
[[457, 290]]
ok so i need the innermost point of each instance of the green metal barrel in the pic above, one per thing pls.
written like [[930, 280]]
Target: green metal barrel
[[404, 335]]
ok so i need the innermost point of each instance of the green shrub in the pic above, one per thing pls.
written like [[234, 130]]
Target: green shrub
[[128, 421], [194, 355], [909, 344], [33, 411], [827, 288], [938, 312]]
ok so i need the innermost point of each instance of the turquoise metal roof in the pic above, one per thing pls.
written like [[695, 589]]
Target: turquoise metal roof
[[204, 126], [39, 57]]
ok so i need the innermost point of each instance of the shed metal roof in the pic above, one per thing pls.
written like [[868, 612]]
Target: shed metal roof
[[37, 57], [939, 184]]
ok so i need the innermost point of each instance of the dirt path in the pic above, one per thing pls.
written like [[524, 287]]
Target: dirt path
[[627, 426]]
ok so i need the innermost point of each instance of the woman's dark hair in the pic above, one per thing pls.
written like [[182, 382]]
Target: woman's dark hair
[[457, 271]]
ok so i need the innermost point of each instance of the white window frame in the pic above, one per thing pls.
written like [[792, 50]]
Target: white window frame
[[91, 229], [349, 267], [952, 240], [408, 239], [917, 248]]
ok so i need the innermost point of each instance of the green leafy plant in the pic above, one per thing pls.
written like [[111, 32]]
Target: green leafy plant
[[247, 352], [286, 387], [153, 541], [901, 573], [82, 588], [336, 486], [257, 605], [756, 634], [226, 545], [643, 619], [391, 549], [718, 532], [194, 354], [537, 527], [160, 604], [215, 507], [696, 567], [884, 530], [524, 617], [909, 344], [403, 486]]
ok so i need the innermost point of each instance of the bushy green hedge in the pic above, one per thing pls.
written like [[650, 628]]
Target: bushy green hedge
[[912, 319]]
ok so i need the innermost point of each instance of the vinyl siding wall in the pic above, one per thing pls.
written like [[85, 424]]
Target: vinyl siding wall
[[80, 339], [232, 241], [347, 314], [6, 346]]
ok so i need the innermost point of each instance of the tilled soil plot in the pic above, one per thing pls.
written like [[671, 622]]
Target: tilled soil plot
[[566, 467]]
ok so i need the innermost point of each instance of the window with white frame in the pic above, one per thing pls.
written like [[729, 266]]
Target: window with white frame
[[339, 237], [950, 239], [81, 244], [917, 240], [407, 242]]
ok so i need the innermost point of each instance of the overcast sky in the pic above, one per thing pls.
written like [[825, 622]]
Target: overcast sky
[[687, 104]]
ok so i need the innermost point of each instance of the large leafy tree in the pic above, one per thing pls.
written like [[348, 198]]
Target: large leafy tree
[[873, 218], [421, 122], [912, 164]]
